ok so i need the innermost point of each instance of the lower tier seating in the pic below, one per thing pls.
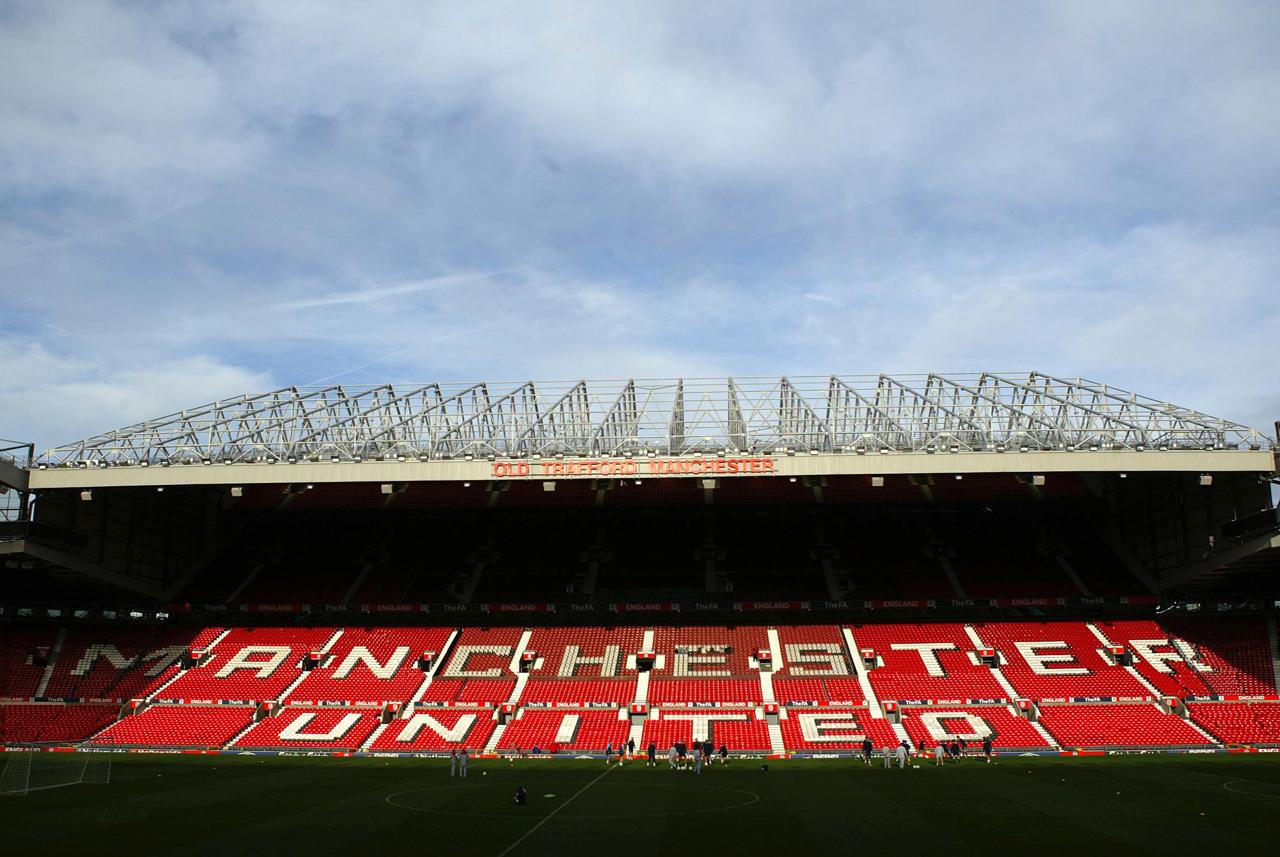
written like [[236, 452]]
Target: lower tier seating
[[311, 729], [1136, 725], [928, 726], [586, 731], [834, 730], [738, 729], [1239, 722], [179, 726], [53, 722], [434, 730]]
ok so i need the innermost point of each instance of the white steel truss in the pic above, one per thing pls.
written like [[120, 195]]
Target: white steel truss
[[633, 417]]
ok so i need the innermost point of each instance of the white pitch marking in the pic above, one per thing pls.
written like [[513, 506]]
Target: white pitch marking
[[552, 814]]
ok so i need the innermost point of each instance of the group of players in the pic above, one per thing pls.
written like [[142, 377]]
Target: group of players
[[943, 751], [680, 756]]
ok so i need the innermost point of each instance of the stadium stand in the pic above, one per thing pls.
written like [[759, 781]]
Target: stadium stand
[[585, 731], [1238, 652], [178, 726], [1007, 730], [708, 651], [103, 662], [52, 722], [1127, 725], [1239, 722], [833, 730], [579, 692], [434, 730], [1058, 661], [1219, 667], [249, 664], [371, 665], [20, 651], [1156, 656], [815, 667], [926, 662], [310, 729], [739, 729], [687, 691]]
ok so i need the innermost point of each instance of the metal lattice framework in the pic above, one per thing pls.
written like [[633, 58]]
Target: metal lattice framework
[[633, 417]]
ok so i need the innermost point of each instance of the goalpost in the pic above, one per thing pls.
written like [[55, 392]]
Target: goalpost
[[28, 770]]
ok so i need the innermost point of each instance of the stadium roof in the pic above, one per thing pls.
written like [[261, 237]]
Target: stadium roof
[[830, 420], [988, 412]]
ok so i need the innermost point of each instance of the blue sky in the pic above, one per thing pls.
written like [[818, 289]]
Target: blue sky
[[200, 199]]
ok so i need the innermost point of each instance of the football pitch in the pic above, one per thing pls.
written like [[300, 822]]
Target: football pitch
[[288, 805]]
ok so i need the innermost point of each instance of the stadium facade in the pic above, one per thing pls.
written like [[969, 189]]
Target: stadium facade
[[788, 565]]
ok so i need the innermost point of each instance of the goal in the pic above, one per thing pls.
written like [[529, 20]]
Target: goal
[[28, 770]]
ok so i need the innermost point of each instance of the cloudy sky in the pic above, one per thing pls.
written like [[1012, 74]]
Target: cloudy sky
[[199, 199]]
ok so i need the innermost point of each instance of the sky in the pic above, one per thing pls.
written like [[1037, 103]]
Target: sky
[[201, 199]]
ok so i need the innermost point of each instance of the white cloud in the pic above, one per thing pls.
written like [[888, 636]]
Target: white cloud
[[51, 399]]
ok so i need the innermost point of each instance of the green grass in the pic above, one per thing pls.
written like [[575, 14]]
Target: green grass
[[228, 804]]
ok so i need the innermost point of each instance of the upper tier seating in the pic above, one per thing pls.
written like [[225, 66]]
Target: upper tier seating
[[613, 645], [179, 726], [19, 676], [739, 730], [944, 671], [928, 726], [105, 662], [1130, 725], [708, 652], [814, 666], [831, 730], [311, 729], [590, 731], [1063, 663], [1156, 657], [1239, 722], [53, 722], [482, 653], [347, 674], [1237, 650], [436, 730], [251, 664]]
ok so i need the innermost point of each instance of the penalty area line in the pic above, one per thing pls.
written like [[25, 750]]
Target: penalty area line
[[552, 814]]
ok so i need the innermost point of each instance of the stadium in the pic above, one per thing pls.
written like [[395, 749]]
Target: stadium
[[271, 602]]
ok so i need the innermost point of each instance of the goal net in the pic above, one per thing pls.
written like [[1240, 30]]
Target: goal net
[[27, 771]]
